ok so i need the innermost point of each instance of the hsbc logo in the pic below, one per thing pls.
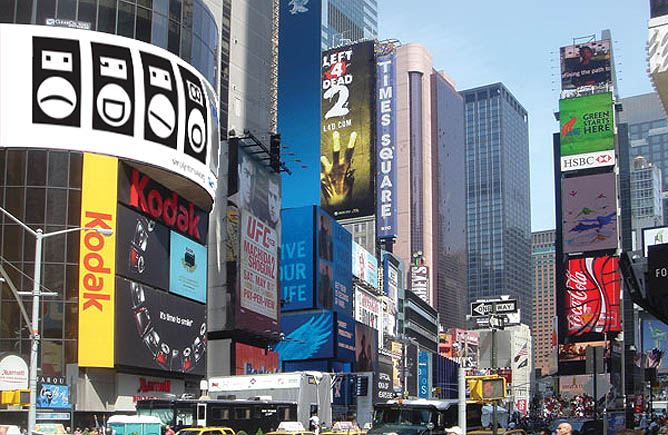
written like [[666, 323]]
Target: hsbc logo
[[589, 160]]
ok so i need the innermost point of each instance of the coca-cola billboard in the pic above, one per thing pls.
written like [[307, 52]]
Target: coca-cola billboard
[[592, 295]]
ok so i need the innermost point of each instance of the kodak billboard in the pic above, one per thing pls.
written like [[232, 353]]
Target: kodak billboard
[[97, 261]]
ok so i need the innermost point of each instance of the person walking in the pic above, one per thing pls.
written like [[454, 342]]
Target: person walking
[[564, 429]]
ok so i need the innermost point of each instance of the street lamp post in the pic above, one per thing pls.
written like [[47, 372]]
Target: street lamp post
[[36, 293]]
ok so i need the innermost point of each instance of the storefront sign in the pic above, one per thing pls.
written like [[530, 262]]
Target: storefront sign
[[13, 372]]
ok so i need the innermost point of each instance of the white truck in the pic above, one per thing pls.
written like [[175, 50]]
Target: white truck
[[311, 391]]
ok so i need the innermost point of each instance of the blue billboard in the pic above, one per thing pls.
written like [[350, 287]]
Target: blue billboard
[[655, 344], [53, 396], [423, 374], [299, 97], [345, 338], [297, 249], [334, 250], [307, 336], [187, 271], [386, 134]]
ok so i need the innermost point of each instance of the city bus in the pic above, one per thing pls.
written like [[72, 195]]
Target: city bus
[[246, 415]]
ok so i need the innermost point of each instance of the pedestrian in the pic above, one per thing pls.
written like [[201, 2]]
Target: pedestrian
[[68, 429], [86, 431], [169, 430], [454, 430], [77, 431], [564, 429]]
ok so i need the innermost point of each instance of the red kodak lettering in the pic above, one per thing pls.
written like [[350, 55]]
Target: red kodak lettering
[[169, 213], [93, 263], [98, 220], [92, 300], [137, 198]]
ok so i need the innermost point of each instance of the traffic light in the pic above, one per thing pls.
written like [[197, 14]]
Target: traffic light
[[16, 397], [487, 388]]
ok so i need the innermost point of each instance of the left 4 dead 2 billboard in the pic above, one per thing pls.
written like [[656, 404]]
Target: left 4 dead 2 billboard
[[315, 262], [95, 92], [346, 139]]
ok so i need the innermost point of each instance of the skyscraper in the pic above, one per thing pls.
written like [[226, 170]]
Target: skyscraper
[[497, 196], [304, 32], [543, 258]]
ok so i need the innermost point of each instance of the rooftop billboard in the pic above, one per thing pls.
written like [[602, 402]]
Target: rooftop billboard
[[364, 265], [101, 93], [589, 213], [587, 124], [587, 64], [346, 147]]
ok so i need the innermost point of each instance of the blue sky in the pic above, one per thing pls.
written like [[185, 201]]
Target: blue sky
[[517, 42]]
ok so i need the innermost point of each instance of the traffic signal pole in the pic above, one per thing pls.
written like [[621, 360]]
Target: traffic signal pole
[[495, 421]]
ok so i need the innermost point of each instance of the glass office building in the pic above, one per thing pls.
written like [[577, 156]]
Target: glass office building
[[498, 212]]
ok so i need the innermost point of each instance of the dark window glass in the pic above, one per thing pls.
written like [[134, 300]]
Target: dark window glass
[[45, 9], [16, 164], [173, 37], [23, 12], [159, 30], [56, 203], [35, 205], [71, 321], [36, 168], [52, 358], [146, 3], [7, 11], [11, 248], [106, 16], [186, 47], [54, 277], [58, 161], [74, 208], [175, 10], [11, 319], [67, 9], [143, 29], [71, 282], [14, 202], [75, 170], [187, 16], [161, 7], [126, 19], [71, 352], [87, 9], [52, 320]]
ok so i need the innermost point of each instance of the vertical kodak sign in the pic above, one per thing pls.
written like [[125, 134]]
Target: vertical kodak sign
[[96, 261]]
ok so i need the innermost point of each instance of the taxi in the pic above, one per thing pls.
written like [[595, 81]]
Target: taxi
[[206, 431]]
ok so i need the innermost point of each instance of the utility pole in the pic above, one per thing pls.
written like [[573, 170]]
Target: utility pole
[[495, 421]]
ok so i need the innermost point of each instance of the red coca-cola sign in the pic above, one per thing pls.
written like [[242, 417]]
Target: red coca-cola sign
[[592, 295]]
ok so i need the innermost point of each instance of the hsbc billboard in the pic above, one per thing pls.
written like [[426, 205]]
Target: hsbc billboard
[[589, 160]]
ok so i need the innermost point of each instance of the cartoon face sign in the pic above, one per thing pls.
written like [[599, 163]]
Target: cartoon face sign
[[56, 81], [161, 113], [196, 141], [113, 89]]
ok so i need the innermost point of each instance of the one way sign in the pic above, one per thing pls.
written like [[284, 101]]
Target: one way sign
[[483, 309]]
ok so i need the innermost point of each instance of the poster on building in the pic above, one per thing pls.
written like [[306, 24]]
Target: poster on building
[[157, 330], [187, 268], [346, 137], [580, 385], [367, 308], [655, 344], [423, 374], [297, 249], [364, 265], [386, 140], [654, 236], [586, 64], [252, 360], [334, 285], [308, 336], [258, 271], [593, 290], [384, 383], [589, 213], [587, 124], [397, 355], [391, 282], [366, 348], [420, 282], [578, 351], [345, 338]]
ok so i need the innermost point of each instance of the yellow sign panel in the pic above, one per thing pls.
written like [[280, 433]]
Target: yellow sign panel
[[97, 261]]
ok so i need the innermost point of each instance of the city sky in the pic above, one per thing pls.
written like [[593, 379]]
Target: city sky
[[517, 42]]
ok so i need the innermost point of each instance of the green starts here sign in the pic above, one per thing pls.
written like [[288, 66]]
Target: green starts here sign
[[586, 124]]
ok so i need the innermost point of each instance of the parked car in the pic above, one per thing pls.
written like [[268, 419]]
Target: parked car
[[206, 431]]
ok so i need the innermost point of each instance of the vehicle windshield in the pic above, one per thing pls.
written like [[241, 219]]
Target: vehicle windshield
[[405, 416]]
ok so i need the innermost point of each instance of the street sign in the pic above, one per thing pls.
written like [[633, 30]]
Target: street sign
[[482, 309], [496, 322]]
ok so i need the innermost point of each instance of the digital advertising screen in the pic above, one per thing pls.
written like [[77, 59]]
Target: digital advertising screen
[[587, 64], [589, 213], [655, 344], [334, 279], [297, 251], [251, 360], [346, 137], [187, 268], [157, 330], [364, 265], [654, 236], [366, 348], [587, 124], [593, 289], [345, 337], [142, 248], [307, 336], [578, 351]]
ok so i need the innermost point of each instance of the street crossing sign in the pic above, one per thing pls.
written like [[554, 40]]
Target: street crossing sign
[[486, 308]]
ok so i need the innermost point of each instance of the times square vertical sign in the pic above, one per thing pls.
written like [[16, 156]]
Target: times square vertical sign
[[386, 174]]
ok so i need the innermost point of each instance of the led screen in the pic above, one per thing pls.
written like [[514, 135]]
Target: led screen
[[586, 124], [586, 64]]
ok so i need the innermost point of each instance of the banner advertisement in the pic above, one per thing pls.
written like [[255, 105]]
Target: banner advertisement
[[588, 160], [593, 290], [348, 97], [187, 268], [423, 374], [397, 350], [655, 344], [258, 267], [307, 336], [364, 265], [297, 249], [578, 351], [334, 284], [53, 396], [97, 258], [654, 236], [587, 64], [367, 308], [579, 385], [157, 203], [251, 360], [366, 348], [345, 338], [391, 283], [157, 330], [386, 134], [101, 93], [587, 124], [384, 384], [420, 282], [142, 250], [589, 213], [389, 319]]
